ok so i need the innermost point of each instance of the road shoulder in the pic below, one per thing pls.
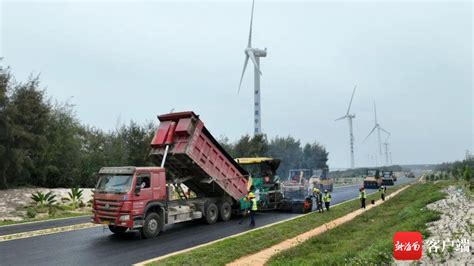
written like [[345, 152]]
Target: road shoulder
[[224, 251], [260, 258]]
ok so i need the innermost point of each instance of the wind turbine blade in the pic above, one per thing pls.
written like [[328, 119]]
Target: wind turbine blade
[[373, 129], [243, 71], [249, 44], [349, 108], [375, 111], [252, 57], [340, 118], [385, 131]]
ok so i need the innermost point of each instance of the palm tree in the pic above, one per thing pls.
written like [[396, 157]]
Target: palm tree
[[42, 199], [75, 195]]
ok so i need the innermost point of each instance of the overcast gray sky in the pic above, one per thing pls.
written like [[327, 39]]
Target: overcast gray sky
[[121, 60]]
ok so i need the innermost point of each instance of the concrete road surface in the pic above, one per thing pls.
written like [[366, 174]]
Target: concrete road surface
[[96, 246]]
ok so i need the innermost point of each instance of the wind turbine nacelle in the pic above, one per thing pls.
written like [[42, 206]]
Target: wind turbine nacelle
[[259, 52]]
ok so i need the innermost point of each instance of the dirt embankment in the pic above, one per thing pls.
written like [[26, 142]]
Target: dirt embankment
[[447, 242], [12, 200]]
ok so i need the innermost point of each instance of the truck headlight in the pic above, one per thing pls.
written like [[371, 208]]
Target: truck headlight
[[124, 217]]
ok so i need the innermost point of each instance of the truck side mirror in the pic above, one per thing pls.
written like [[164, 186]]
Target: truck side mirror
[[138, 186], [137, 189]]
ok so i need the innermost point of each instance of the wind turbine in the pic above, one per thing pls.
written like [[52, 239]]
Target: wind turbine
[[386, 152], [386, 144], [349, 118], [379, 128], [254, 54]]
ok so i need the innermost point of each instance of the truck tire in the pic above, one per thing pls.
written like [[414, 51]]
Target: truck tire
[[225, 210], [211, 213], [118, 230], [151, 226]]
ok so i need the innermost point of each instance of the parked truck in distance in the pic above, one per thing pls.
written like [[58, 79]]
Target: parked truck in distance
[[388, 178], [372, 179], [410, 174], [127, 198], [321, 180]]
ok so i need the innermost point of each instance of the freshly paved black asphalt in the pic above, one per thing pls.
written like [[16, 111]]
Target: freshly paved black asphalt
[[18, 228], [94, 246]]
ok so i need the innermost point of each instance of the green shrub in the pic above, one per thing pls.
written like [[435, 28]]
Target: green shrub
[[75, 195], [43, 200], [41, 209], [52, 211], [467, 174], [30, 213], [66, 207]]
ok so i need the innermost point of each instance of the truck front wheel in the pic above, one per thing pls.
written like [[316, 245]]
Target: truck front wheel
[[151, 227], [211, 213], [224, 211]]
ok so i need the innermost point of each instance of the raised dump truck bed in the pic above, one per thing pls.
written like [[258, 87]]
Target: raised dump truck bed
[[195, 158], [143, 197]]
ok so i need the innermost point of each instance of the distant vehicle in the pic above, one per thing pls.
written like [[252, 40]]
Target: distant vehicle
[[410, 175], [388, 178], [266, 183], [295, 191], [372, 179], [391, 174], [321, 180]]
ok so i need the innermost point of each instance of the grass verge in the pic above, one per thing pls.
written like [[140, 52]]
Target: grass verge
[[230, 249], [367, 239], [56, 217]]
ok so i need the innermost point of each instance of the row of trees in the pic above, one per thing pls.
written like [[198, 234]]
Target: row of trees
[[292, 153], [44, 144], [459, 170]]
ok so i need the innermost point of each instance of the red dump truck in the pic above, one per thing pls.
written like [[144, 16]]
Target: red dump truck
[[144, 198]]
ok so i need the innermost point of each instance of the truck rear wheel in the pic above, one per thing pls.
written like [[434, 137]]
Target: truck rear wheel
[[225, 211], [211, 213], [117, 229], [151, 227]]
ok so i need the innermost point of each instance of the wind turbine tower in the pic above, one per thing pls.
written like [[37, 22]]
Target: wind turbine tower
[[379, 128], [387, 162], [254, 54], [349, 118]]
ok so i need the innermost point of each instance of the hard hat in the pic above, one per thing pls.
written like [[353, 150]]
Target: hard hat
[[251, 195], [326, 190]]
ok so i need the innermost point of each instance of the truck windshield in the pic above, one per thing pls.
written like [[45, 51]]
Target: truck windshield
[[114, 183]]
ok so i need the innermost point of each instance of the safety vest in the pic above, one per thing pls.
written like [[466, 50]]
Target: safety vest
[[254, 204], [382, 190], [327, 197], [362, 195]]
